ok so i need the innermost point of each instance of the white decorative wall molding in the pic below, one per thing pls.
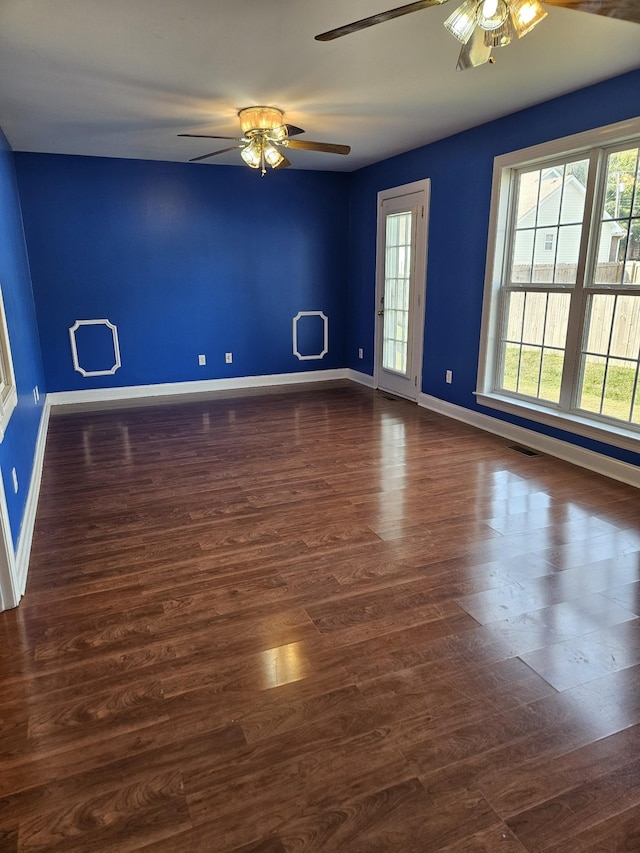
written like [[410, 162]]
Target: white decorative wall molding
[[597, 462], [325, 323], [74, 347], [179, 389]]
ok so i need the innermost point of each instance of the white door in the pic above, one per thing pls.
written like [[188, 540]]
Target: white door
[[400, 288]]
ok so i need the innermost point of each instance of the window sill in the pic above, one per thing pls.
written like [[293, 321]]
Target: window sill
[[617, 436]]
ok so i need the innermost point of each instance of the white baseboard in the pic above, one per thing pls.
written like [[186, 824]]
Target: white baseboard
[[597, 462], [171, 389], [23, 551], [361, 378]]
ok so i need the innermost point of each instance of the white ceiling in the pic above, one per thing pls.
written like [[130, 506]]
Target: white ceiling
[[120, 78]]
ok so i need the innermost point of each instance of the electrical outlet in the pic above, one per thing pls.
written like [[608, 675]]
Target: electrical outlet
[[202, 360], [14, 476], [228, 357], [448, 377], [360, 353]]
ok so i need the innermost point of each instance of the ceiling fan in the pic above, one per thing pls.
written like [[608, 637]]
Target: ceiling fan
[[482, 25], [264, 133]]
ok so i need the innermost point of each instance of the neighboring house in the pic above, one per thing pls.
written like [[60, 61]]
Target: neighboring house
[[550, 212]]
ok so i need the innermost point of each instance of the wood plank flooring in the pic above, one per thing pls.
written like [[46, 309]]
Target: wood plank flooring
[[320, 620]]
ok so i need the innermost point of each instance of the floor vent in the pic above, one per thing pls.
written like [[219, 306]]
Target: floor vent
[[526, 451]]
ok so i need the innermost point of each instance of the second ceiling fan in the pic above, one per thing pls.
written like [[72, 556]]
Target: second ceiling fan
[[264, 134], [482, 25]]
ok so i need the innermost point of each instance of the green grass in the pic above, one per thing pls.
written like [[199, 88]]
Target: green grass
[[618, 391]]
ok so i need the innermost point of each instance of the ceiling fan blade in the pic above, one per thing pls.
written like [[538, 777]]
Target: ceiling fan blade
[[283, 163], [213, 153], [292, 130], [474, 53], [206, 136], [307, 145], [377, 19], [625, 10]]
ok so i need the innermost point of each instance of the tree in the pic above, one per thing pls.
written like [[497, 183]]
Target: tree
[[622, 200]]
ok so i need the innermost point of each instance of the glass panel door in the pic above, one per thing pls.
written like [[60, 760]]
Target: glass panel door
[[401, 269], [397, 290]]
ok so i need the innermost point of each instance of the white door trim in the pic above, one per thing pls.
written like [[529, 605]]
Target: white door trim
[[423, 186]]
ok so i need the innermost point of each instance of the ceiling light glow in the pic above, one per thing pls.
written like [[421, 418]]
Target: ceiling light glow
[[252, 154], [492, 14], [525, 14]]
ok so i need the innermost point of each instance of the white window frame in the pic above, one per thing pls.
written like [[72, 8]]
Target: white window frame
[[8, 390], [616, 434]]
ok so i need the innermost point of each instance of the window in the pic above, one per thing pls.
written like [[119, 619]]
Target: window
[[561, 324], [8, 392]]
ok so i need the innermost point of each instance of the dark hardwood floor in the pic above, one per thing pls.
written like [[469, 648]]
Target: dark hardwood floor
[[320, 620]]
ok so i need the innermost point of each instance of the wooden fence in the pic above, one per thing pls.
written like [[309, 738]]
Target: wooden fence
[[609, 273], [546, 315]]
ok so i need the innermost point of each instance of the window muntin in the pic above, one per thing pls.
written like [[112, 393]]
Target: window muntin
[[580, 370]]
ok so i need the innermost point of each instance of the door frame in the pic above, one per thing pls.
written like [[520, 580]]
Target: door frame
[[420, 273]]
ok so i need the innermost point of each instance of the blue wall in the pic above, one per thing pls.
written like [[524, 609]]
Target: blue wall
[[18, 447], [185, 259], [460, 169]]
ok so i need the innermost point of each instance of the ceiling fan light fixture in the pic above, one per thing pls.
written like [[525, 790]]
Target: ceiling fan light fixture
[[252, 153], [260, 118], [491, 14], [525, 14], [272, 156], [502, 36], [462, 22], [474, 53], [278, 134], [263, 134]]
